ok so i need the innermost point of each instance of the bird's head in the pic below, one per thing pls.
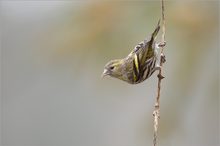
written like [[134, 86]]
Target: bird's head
[[113, 68]]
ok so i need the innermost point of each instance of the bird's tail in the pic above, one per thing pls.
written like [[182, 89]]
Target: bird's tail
[[151, 38], [154, 34]]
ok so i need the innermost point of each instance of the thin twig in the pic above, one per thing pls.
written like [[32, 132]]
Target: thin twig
[[156, 113]]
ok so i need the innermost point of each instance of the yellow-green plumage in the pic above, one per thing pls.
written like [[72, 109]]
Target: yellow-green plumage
[[138, 65]]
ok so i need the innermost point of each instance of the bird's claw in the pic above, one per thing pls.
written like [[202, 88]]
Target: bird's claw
[[162, 44]]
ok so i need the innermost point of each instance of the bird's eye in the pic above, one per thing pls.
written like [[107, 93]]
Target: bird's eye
[[112, 67]]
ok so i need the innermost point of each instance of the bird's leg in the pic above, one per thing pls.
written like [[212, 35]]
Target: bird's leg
[[162, 58], [157, 66]]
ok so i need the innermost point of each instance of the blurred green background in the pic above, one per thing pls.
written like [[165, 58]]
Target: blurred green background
[[52, 57]]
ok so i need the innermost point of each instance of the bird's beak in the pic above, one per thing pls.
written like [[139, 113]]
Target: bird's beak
[[105, 73]]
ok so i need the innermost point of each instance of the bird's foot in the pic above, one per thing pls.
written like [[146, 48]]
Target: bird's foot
[[162, 44]]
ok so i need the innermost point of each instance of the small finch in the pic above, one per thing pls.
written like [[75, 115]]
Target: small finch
[[140, 64]]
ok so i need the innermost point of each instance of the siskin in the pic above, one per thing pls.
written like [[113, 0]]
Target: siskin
[[140, 64]]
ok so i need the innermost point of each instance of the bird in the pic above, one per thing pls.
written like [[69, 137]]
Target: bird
[[140, 64]]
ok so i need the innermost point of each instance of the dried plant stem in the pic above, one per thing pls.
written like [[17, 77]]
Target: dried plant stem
[[156, 113]]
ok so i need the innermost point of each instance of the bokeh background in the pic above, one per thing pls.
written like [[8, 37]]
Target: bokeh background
[[52, 57]]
